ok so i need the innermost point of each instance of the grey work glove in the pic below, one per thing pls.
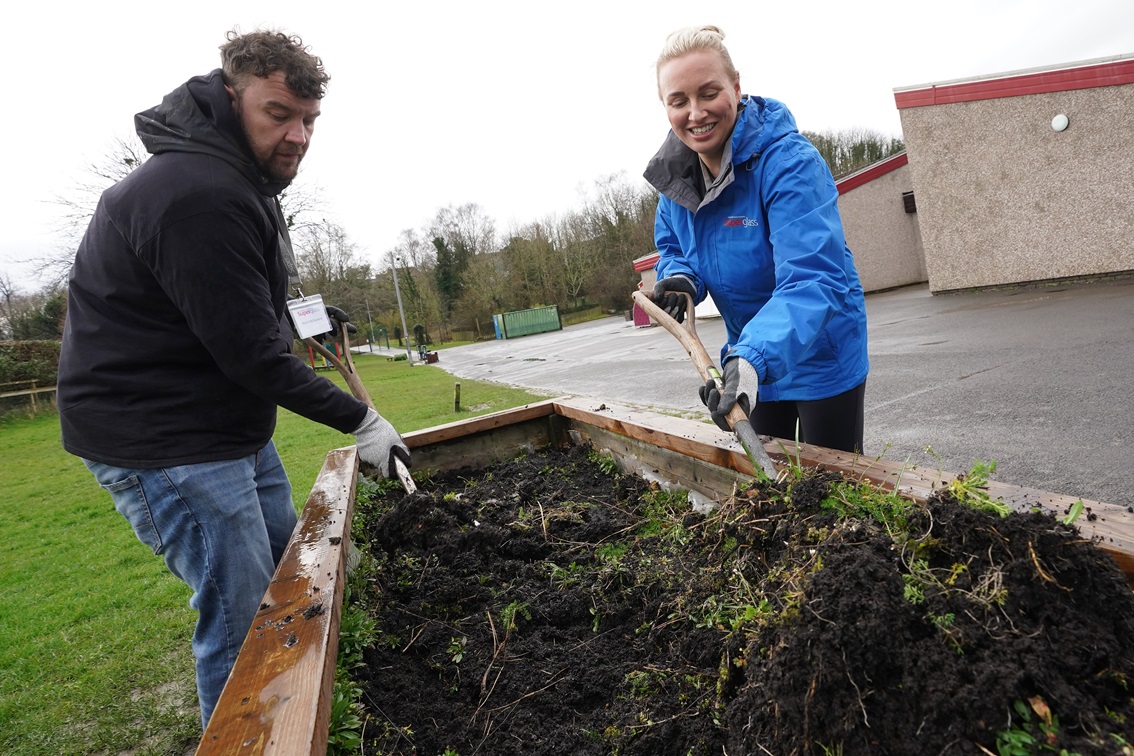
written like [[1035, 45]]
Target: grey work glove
[[379, 444], [740, 387], [669, 294], [339, 320]]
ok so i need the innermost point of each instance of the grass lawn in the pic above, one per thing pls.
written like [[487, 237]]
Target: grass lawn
[[95, 653]]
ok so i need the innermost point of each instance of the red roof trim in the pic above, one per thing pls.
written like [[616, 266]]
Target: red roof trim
[[645, 263], [1043, 82], [867, 175]]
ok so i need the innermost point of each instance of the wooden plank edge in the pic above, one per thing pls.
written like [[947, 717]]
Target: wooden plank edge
[[1110, 526], [27, 392], [700, 440], [289, 653], [491, 421]]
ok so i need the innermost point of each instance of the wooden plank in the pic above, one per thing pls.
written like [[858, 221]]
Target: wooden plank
[[701, 441], [27, 392], [489, 445], [655, 464], [278, 696], [1109, 525], [463, 428]]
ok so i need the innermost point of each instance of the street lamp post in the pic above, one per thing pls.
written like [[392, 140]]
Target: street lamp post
[[398, 293], [369, 326]]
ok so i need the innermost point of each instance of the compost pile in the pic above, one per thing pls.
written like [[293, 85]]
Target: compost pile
[[554, 605]]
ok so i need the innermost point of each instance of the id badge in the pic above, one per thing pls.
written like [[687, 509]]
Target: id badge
[[309, 315]]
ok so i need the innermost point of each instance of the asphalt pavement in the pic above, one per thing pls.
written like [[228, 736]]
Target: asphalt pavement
[[1038, 378]]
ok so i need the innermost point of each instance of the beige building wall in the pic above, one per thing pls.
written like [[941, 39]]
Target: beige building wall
[[1003, 198], [884, 238]]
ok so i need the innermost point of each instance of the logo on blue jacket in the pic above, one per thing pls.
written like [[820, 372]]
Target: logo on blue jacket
[[733, 221]]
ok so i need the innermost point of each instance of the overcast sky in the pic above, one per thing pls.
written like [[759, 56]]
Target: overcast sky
[[515, 106]]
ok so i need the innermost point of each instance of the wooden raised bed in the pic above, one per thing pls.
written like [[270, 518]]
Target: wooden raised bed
[[277, 700]]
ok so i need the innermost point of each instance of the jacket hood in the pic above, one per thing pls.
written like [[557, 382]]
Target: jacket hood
[[198, 117], [762, 122], [675, 170]]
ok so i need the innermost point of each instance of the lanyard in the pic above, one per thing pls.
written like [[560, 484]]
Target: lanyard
[[286, 251]]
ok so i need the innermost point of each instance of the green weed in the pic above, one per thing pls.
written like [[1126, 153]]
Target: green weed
[[509, 616], [607, 463], [344, 733], [971, 489], [662, 512], [356, 634], [1035, 729], [1074, 513], [565, 576], [456, 649], [863, 500]]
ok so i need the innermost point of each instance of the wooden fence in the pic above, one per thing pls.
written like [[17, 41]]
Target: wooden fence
[[14, 394]]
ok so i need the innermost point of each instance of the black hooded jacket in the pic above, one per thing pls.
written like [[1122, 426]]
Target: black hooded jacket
[[176, 348]]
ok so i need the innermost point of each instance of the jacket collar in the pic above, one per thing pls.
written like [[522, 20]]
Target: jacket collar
[[675, 170]]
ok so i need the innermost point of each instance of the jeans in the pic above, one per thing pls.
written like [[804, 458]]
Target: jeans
[[221, 528]]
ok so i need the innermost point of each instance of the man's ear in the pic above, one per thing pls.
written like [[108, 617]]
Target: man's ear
[[231, 95]]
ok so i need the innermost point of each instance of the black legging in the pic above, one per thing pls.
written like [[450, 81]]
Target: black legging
[[835, 423]]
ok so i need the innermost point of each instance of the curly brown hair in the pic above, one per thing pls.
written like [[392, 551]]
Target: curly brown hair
[[262, 52]]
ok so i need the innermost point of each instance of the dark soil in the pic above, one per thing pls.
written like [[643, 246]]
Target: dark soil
[[551, 606]]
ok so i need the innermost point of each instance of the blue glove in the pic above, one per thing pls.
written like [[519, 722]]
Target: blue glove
[[669, 294], [740, 387]]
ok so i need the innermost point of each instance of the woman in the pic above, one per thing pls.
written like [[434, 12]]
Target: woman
[[748, 213]]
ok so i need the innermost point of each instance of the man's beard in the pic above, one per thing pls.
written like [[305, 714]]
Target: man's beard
[[264, 166], [272, 174]]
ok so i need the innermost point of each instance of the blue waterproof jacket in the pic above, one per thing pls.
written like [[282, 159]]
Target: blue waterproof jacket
[[766, 241]]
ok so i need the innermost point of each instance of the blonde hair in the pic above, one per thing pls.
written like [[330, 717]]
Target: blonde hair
[[695, 39]]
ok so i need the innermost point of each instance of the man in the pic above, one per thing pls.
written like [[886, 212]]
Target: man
[[177, 351]]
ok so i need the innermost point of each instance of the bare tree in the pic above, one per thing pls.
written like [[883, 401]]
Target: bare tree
[[619, 220], [850, 149], [415, 259], [413, 250], [329, 265], [38, 315], [577, 252], [9, 302], [485, 293], [465, 227], [458, 235], [78, 206], [302, 204], [532, 268]]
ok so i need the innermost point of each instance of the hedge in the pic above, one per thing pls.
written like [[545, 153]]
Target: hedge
[[27, 361]]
